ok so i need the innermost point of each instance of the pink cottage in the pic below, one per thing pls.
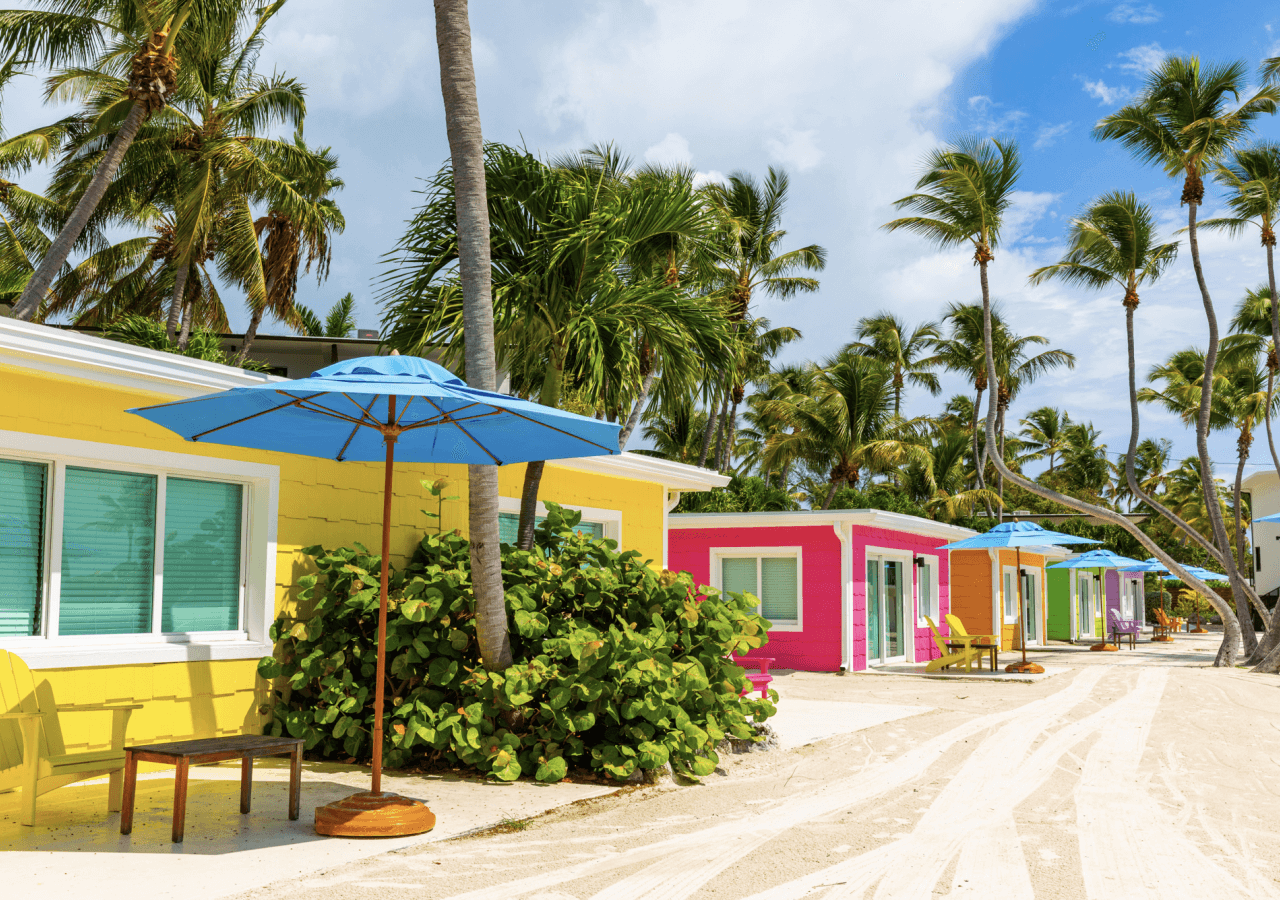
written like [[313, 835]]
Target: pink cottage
[[844, 588]]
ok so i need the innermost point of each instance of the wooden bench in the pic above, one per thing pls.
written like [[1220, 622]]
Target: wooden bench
[[761, 681], [184, 754]]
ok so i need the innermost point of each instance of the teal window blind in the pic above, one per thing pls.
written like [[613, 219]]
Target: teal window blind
[[739, 575], [201, 556], [779, 589], [22, 491], [509, 527], [108, 552], [774, 580]]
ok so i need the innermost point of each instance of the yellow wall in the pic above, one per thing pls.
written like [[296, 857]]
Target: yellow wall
[[321, 502]]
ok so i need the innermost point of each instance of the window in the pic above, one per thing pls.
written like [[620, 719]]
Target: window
[[509, 527], [927, 588], [1010, 594], [772, 578], [119, 555]]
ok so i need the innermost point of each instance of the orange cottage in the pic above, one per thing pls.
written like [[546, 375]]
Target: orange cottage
[[984, 591]]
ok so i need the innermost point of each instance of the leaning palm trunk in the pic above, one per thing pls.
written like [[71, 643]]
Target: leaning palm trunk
[[724, 418], [188, 314], [250, 334], [33, 294], [730, 433], [1192, 193], [711, 427], [978, 463], [466, 150], [176, 302], [836, 484], [1230, 645], [634, 419]]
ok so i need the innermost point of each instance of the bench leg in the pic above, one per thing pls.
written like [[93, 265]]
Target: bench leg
[[130, 790], [180, 800], [246, 782], [295, 783]]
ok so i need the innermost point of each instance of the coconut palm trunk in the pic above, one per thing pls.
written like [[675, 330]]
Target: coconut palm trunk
[[188, 315], [634, 419], [1227, 653], [711, 427], [1192, 194], [552, 383], [466, 150], [176, 304], [978, 464], [33, 294]]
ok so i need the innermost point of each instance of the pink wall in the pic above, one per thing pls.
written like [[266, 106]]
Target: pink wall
[[817, 648]]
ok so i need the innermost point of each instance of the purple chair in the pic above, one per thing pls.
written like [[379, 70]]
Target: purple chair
[[1121, 627]]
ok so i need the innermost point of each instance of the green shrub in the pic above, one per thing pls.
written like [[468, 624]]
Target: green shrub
[[617, 668]]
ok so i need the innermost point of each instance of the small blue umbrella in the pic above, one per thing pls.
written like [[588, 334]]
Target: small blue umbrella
[[361, 410], [1151, 564], [1274, 517], [1204, 574], [1017, 535], [1098, 559]]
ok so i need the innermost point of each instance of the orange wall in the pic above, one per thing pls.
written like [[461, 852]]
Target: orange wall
[[972, 592]]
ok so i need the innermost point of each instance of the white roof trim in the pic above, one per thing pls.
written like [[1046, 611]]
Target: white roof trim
[[674, 476], [872, 518], [76, 355]]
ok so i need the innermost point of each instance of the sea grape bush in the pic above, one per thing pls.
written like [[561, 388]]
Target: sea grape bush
[[617, 667]]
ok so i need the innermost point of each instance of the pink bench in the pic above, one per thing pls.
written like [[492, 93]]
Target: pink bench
[[758, 682]]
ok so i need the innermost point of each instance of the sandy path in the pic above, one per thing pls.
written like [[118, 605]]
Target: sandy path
[[1105, 782]]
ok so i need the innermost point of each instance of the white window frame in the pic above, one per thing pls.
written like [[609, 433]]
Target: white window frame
[[717, 578], [932, 562], [912, 619], [611, 519], [1037, 597], [259, 512], [1008, 601]]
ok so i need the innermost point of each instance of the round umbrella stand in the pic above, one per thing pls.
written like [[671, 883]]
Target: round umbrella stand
[[1025, 668], [1104, 646], [367, 814]]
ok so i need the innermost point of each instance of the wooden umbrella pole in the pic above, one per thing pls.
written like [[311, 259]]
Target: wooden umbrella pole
[[389, 438], [1022, 605]]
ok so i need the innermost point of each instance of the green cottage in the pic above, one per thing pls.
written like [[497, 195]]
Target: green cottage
[[1082, 588]]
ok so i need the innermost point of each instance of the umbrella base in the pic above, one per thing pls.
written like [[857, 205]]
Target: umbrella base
[[1105, 646], [1026, 668], [1199, 631], [1163, 639], [367, 814]]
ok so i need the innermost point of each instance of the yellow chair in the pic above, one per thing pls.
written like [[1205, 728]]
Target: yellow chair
[[964, 657], [957, 629], [33, 757]]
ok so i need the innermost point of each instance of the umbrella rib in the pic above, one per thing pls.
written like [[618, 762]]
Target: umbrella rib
[[294, 402], [495, 459], [365, 418], [562, 431], [449, 417], [334, 414], [356, 428]]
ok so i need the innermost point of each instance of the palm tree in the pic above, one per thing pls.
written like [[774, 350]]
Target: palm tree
[[466, 149], [675, 433], [845, 427], [97, 35], [1189, 117], [756, 344], [339, 322], [1044, 434], [963, 195], [1252, 179], [961, 352], [750, 262], [1085, 470], [940, 483], [886, 338], [1150, 462], [567, 308]]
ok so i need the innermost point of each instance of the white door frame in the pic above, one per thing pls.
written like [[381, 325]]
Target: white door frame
[[907, 623]]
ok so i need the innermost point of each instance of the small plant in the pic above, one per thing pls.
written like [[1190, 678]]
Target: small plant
[[436, 489], [616, 667]]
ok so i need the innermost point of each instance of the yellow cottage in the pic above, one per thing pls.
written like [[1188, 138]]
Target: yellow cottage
[[99, 510]]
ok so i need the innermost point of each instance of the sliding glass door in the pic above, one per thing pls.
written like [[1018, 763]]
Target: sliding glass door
[[888, 610], [1084, 604]]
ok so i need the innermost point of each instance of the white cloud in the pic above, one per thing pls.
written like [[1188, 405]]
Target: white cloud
[[671, 150], [701, 178], [796, 149], [1132, 13], [989, 117], [1048, 135], [1107, 95], [1027, 209], [1141, 60]]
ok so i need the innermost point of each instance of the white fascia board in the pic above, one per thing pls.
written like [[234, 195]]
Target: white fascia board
[[872, 518], [674, 476], [69, 353]]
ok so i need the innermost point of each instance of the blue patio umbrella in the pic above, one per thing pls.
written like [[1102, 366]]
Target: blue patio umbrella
[[1017, 535], [1151, 564], [1098, 559], [1274, 517], [1204, 574], [362, 410]]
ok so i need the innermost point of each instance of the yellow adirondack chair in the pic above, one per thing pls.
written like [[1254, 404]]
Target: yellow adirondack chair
[[33, 757], [964, 657], [957, 628]]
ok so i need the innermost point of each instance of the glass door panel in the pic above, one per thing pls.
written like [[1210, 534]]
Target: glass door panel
[[873, 610], [1030, 607], [893, 594], [1084, 593]]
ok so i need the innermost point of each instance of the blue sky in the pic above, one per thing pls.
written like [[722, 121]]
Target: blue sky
[[847, 95]]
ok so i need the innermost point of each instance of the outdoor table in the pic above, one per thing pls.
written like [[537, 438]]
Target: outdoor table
[[184, 754], [973, 641]]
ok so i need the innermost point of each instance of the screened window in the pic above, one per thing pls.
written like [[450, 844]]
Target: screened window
[[1010, 595], [774, 580], [927, 589], [127, 553], [509, 527], [22, 499]]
